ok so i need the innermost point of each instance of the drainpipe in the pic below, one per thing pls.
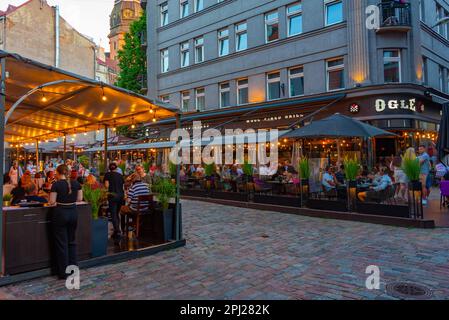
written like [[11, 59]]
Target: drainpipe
[[57, 46]]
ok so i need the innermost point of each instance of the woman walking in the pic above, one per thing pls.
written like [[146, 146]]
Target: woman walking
[[63, 195]]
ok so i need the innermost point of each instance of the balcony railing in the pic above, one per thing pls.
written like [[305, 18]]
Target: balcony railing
[[393, 14]]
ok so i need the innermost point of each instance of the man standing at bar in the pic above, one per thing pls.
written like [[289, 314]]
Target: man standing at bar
[[424, 161], [114, 182]]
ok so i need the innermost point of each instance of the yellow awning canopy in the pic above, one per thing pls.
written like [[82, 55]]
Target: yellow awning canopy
[[65, 103]]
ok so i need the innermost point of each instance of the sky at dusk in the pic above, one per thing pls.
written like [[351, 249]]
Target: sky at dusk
[[90, 17]]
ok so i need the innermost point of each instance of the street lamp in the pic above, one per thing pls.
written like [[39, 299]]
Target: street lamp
[[442, 21]]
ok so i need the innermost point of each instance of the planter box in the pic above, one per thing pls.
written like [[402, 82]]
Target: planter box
[[383, 210], [99, 237], [164, 221], [328, 205], [278, 200], [234, 196], [200, 193]]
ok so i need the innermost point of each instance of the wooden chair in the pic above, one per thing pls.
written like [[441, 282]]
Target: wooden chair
[[145, 206]]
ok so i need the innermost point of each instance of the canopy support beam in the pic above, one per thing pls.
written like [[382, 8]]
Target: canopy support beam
[[105, 158], [178, 189], [2, 153], [64, 153], [37, 155]]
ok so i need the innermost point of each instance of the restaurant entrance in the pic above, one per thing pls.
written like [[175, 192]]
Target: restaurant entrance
[[385, 147]]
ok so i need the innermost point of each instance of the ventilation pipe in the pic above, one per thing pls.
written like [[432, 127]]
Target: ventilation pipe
[[57, 48]]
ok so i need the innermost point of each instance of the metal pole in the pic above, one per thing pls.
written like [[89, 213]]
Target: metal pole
[[2, 154], [37, 156], [105, 146], [178, 190], [64, 153]]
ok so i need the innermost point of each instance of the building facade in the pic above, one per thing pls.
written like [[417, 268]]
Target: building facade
[[288, 58], [49, 38]]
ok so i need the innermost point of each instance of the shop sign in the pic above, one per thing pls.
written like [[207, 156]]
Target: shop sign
[[410, 104]]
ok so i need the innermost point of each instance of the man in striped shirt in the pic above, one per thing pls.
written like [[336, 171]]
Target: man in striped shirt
[[138, 188]]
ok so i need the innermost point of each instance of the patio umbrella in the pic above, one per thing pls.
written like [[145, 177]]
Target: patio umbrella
[[337, 126], [443, 136]]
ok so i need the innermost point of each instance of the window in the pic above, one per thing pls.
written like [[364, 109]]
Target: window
[[183, 8], [294, 17], [164, 61], [424, 70], [165, 98], [241, 36], [223, 42], [335, 74], [271, 26], [200, 99], [185, 56], [185, 100], [334, 11], [296, 81], [225, 95], [274, 85], [164, 14], [392, 66], [242, 91], [198, 5], [441, 78], [422, 11], [199, 50]]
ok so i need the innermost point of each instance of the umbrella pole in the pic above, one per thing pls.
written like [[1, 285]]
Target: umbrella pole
[[338, 151]]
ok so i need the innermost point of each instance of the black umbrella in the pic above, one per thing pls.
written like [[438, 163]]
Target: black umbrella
[[443, 136], [337, 126]]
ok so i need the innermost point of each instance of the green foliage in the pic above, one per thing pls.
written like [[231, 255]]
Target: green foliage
[[411, 167], [304, 168], [122, 166], [165, 190], [132, 57], [7, 197], [146, 166], [209, 169], [352, 168], [101, 168], [172, 169], [248, 169], [95, 197], [84, 160]]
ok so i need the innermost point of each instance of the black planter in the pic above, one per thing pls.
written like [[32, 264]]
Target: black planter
[[383, 210], [278, 200], [352, 195], [305, 190], [165, 219], [200, 193], [99, 237], [415, 200], [234, 196], [328, 205]]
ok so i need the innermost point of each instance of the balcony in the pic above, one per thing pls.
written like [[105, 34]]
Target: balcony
[[395, 17], [143, 40]]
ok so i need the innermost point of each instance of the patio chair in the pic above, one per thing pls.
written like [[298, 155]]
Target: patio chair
[[261, 187], [444, 193], [144, 206], [332, 194]]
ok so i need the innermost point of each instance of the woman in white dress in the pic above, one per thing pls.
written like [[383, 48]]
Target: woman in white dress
[[14, 174]]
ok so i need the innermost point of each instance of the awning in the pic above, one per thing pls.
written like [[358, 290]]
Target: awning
[[58, 102]]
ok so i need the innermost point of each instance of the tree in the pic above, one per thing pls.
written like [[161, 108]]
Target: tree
[[132, 57]]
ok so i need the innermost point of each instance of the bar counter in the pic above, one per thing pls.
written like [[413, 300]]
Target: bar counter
[[28, 241]]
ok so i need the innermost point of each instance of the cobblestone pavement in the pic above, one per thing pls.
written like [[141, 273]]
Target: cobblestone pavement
[[235, 253]]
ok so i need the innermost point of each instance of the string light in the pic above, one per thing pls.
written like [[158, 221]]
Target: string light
[[104, 98]]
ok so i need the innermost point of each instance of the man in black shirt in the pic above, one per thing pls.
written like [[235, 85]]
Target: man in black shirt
[[114, 182]]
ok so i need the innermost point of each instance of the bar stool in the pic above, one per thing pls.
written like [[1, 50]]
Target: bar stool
[[144, 206]]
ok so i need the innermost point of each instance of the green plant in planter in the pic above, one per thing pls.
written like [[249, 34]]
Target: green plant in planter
[[172, 169], [304, 168], [411, 167], [84, 160], [352, 168], [102, 168], [146, 166], [209, 169], [7, 198], [122, 166], [95, 197], [165, 190], [248, 169]]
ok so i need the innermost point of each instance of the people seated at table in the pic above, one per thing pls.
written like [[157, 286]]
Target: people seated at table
[[286, 167], [267, 170], [49, 180], [328, 181], [18, 193], [140, 170], [31, 194], [340, 175], [138, 188], [380, 184]]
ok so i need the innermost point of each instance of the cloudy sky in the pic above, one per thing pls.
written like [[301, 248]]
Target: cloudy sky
[[90, 17]]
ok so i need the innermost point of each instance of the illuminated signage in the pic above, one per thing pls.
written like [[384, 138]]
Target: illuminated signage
[[410, 104]]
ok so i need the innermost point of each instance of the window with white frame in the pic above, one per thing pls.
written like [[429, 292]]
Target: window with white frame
[[200, 99], [274, 85], [271, 26], [241, 36], [183, 8], [296, 81], [294, 17], [242, 92], [164, 14], [225, 95], [185, 54], [223, 42], [335, 74], [165, 98], [333, 11], [185, 100], [199, 50], [198, 5], [164, 61], [392, 66]]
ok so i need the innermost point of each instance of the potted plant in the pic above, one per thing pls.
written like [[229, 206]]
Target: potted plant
[[165, 191], [352, 168], [209, 172], [146, 166], [95, 197], [101, 169], [7, 198], [412, 169], [122, 166], [84, 160], [172, 170], [304, 174]]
